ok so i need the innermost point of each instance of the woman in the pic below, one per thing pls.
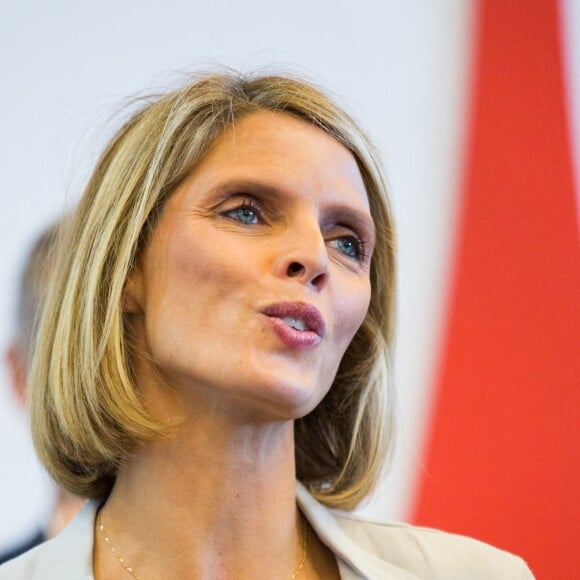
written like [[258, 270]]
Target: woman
[[220, 327]]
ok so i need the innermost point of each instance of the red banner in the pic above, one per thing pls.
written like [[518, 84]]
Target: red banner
[[503, 457]]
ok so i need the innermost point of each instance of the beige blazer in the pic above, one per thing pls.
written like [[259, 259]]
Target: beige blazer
[[363, 549]]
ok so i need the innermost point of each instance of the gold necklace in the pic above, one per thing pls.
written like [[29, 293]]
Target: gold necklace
[[118, 556], [131, 571]]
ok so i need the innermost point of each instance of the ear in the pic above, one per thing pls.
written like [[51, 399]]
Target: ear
[[132, 298], [17, 367]]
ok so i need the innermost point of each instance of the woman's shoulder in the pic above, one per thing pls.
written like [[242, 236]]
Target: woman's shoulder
[[69, 555], [370, 549], [23, 566], [431, 553]]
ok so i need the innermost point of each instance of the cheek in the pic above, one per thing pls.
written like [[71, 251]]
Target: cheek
[[351, 312], [203, 266], [193, 295], [201, 281]]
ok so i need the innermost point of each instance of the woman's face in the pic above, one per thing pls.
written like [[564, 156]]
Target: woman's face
[[256, 277]]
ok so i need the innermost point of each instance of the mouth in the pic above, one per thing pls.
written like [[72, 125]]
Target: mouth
[[298, 324]]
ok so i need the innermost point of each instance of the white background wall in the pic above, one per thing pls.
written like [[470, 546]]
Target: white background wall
[[399, 67]]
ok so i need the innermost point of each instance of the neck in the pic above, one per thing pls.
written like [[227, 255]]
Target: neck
[[215, 500]]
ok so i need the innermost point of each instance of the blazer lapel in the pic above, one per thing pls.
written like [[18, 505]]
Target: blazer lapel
[[354, 561]]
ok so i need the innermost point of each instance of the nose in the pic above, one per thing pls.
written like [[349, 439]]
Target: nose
[[304, 258]]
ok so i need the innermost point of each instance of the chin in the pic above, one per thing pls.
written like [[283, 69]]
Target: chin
[[287, 388], [287, 398]]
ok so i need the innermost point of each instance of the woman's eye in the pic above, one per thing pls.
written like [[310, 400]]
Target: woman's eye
[[349, 246], [246, 214]]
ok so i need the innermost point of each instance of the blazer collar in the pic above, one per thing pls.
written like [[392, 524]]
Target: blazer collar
[[354, 561], [70, 554]]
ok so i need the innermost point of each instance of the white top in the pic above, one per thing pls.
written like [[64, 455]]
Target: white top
[[363, 549]]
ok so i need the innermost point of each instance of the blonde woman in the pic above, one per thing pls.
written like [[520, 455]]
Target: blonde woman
[[212, 366]]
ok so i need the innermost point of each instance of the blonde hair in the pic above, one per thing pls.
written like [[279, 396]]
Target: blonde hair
[[87, 413]]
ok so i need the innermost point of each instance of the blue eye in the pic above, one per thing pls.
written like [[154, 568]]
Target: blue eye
[[246, 214], [349, 246]]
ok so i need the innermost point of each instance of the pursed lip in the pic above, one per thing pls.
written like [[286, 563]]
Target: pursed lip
[[308, 313]]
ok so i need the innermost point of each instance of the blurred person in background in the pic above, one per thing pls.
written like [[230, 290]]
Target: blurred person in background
[[33, 286]]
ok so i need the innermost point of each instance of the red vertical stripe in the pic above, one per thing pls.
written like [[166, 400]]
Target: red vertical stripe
[[503, 458]]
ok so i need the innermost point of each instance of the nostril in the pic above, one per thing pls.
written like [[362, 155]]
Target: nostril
[[295, 268], [319, 281]]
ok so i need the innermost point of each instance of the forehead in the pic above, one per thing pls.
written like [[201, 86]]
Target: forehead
[[288, 150]]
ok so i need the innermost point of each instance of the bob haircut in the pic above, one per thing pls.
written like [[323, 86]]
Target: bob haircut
[[87, 411]]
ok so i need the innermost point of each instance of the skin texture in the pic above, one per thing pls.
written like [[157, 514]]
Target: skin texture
[[276, 212]]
